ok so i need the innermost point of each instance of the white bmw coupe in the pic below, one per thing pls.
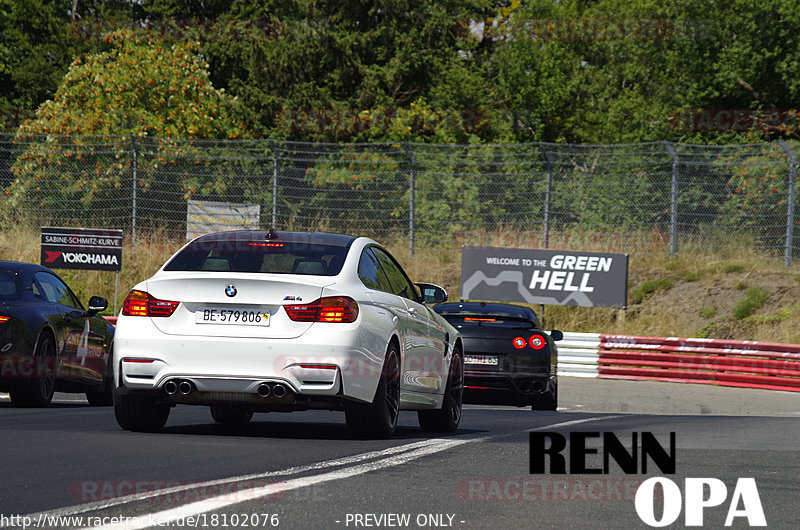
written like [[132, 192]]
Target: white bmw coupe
[[259, 321]]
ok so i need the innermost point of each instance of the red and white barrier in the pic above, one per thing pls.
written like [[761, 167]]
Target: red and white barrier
[[751, 364]]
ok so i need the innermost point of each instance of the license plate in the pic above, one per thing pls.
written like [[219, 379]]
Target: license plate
[[237, 317], [481, 359]]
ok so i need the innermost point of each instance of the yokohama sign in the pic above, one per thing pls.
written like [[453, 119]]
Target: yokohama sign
[[81, 248]]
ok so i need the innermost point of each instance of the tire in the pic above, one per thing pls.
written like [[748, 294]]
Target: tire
[[231, 415], [105, 397], [547, 401], [447, 418], [39, 389], [379, 418], [140, 412]]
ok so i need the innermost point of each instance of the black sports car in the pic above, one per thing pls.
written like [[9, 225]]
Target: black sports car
[[508, 359], [48, 341]]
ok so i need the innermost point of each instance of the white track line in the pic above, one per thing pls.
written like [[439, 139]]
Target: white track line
[[573, 422], [136, 497], [225, 500]]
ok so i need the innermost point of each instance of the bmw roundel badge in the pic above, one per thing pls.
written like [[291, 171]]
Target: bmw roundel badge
[[230, 290]]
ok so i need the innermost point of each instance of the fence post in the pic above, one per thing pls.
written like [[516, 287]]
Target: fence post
[[673, 201], [274, 183], [790, 202], [547, 190], [411, 195], [135, 185]]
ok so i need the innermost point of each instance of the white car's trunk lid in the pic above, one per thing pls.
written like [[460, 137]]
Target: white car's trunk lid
[[234, 305]]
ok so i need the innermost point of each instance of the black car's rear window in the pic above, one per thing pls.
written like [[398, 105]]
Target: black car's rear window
[[487, 314], [9, 286], [260, 256], [490, 321]]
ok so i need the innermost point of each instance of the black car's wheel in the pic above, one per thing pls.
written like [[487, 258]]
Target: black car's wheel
[[547, 401], [104, 397], [379, 418], [231, 415], [39, 389], [140, 412], [447, 418]]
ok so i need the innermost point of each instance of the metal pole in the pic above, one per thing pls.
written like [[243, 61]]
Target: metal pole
[[411, 197], [135, 185], [791, 199], [116, 288], [274, 183], [673, 203], [547, 191]]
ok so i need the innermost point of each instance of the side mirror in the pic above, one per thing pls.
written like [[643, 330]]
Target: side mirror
[[557, 335], [97, 304], [432, 294]]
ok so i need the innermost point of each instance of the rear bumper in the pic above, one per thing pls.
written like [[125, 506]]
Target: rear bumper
[[520, 389], [325, 366]]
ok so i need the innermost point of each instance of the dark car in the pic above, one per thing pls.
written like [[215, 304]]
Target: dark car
[[508, 359], [48, 341]]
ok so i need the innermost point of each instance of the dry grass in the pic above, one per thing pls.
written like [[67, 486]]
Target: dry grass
[[704, 290]]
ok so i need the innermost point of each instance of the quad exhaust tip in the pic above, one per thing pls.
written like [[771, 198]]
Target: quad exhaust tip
[[174, 386], [266, 390], [170, 387]]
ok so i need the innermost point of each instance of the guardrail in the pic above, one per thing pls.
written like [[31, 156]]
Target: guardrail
[[737, 363]]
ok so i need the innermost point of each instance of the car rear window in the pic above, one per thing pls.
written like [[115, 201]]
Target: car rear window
[[260, 257], [489, 321], [9, 286], [487, 314]]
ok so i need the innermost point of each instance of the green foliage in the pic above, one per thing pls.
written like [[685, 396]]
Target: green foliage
[[688, 276], [608, 71], [708, 312], [139, 87], [758, 192], [769, 319], [650, 286], [614, 71], [754, 299], [706, 331], [732, 267]]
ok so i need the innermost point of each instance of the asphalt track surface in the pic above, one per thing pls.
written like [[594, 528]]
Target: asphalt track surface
[[305, 470]]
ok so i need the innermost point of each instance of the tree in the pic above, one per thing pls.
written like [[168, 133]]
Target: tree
[[615, 71], [328, 62], [139, 87]]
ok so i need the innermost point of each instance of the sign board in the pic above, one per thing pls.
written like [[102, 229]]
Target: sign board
[[552, 277], [82, 248], [203, 217]]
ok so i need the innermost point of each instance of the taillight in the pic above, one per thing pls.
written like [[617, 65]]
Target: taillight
[[537, 342], [3, 319], [519, 343], [141, 304], [328, 309]]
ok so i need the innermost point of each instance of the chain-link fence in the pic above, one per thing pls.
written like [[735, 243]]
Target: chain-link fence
[[653, 197]]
